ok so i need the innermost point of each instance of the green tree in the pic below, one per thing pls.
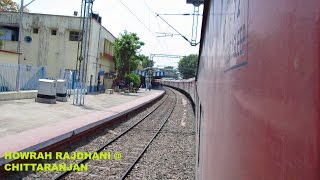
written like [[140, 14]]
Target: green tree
[[134, 78], [169, 67], [126, 48], [170, 72], [146, 62], [9, 5], [187, 66]]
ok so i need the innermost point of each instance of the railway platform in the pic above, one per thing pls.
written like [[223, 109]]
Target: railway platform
[[26, 125]]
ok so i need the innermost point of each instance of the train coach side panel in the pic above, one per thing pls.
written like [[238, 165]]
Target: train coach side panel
[[258, 86], [186, 85]]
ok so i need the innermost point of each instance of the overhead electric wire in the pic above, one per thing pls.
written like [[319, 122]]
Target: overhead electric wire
[[183, 14], [153, 12], [158, 15], [173, 28], [142, 24], [136, 16], [164, 34], [192, 42], [149, 7]]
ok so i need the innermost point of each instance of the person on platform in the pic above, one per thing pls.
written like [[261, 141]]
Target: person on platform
[[149, 86]]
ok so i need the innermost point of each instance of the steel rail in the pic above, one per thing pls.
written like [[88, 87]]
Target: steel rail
[[64, 174], [146, 147]]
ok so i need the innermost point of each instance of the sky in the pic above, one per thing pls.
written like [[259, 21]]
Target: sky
[[138, 16]]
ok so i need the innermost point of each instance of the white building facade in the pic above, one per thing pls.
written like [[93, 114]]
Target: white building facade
[[52, 41]]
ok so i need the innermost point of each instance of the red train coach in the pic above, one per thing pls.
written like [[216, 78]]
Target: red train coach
[[188, 86], [258, 90]]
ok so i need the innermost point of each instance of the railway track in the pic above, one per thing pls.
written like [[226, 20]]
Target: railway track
[[132, 143]]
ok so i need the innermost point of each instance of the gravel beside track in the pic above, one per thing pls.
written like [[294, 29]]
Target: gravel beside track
[[130, 145], [172, 155]]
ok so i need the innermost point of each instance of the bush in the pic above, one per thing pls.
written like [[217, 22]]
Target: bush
[[133, 77]]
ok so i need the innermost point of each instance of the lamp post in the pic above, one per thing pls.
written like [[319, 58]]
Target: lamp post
[[19, 46], [19, 41], [20, 30]]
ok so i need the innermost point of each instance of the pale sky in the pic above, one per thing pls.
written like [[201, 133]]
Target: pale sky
[[116, 18]]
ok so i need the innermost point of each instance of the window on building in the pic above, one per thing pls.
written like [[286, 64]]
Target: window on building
[[111, 52], [9, 33], [35, 30], [108, 47], [74, 36], [53, 32]]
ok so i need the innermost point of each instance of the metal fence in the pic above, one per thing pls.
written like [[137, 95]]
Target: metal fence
[[20, 77], [70, 76]]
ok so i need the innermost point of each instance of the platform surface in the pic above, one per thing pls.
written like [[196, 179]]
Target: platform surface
[[28, 125]]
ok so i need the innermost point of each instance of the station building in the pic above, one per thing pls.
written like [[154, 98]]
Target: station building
[[51, 41]]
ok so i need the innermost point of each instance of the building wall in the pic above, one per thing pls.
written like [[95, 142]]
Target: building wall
[[100, 59], [10, 45], [8, 58], [57, 52], [53, 51]]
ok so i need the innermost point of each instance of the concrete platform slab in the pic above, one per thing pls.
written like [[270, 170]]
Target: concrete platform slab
[[5, 96], [26, 125]]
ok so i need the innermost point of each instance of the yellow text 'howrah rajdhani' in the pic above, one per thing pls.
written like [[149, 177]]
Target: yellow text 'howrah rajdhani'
[[62, 155]]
